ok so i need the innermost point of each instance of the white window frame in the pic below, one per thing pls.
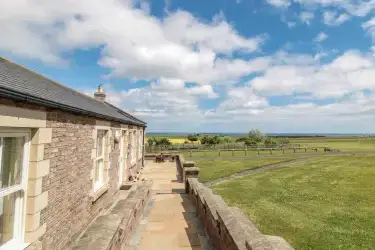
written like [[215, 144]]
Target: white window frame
[[98, 184], [134, 147], [20, 205], [123, 156], [140, 145]]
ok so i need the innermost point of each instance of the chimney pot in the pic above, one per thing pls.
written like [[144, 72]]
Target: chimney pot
[[99, 94]]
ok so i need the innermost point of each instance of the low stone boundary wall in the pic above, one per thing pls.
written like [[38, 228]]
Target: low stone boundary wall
[[113, 229], [228, 227]]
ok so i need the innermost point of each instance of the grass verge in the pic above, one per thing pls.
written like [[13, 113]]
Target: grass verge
[[327, 203], [214, 169]]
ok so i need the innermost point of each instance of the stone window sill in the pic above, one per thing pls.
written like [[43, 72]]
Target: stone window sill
[[97, 194]]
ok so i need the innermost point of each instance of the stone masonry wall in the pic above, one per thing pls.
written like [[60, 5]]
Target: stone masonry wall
[[228, 227], [70, 207]]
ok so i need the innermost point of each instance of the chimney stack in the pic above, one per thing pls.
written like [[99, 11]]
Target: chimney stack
[[99, 94]]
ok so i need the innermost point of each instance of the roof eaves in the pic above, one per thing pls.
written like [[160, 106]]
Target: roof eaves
[[15, 95]]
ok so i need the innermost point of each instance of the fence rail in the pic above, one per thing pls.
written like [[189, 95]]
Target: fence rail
[[226, 146], [246, 151]]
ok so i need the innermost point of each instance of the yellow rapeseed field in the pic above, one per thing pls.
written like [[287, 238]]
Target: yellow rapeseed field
[[178, 140]]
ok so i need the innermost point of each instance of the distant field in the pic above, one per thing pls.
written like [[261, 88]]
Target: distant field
[[327, 203], [214, 169], [342, 143]]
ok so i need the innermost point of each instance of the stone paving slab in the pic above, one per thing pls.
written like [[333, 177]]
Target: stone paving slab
[[169, 221]]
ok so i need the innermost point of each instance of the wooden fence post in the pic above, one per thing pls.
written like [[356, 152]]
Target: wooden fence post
[[246, 151], [232, 152], [271, 151], [219, 152], [258, 151], [294, 150], [305, 149]]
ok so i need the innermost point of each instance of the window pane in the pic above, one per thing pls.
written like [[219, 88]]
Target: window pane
[[98, 171], [11, 161], [7, 217], [100, 141]]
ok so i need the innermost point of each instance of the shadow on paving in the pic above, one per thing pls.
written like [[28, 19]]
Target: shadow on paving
[[169, 221]]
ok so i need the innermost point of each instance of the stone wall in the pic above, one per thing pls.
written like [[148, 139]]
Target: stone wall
[[113, 229], [70, 206], [66, 178], [228, 227]]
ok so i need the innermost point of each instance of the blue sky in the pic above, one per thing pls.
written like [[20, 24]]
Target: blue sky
[[208, 66]]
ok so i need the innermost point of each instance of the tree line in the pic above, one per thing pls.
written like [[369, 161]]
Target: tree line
[[254, 138]]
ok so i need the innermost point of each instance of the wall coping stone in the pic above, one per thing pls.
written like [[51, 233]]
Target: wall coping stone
[[111, 229], [230, 229], [188, 164]]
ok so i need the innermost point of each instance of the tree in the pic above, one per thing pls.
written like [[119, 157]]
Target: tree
[[270, 142], [162, 141], [226, 139], [214, 140], [284, 141], [242, 139], [211, 140], [192, 137], [256, 135], [151, 141], [250, 142]]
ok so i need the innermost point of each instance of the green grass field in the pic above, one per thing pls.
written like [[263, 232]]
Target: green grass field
[[344, 144], [214, 169], [327, 203]]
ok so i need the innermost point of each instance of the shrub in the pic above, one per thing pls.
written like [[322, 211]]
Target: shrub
[[193, 137], [226, 139], [284, 141], [151, 141], [211, 140], [242, 139], [250, 142], [162, 141], [270, 142]]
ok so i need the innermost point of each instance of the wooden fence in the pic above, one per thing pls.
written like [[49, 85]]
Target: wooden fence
[[248, 151]]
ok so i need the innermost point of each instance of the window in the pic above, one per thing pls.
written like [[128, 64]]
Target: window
[[123, 156], [99, 162], [140, 145], [134, 147], [14, 150]]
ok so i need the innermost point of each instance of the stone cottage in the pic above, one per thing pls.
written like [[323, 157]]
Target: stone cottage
[[63, 157]]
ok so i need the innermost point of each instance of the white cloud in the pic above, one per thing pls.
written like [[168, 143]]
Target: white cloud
[[350, 7], [291, 24], [350, 72], [133, 43], [353, 7], [369, 26], [334, 18], [163, 99], [306, 17], [243, 98], [321, 37], [279, 3]]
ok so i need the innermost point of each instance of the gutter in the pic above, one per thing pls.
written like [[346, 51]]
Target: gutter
[[14, 95]]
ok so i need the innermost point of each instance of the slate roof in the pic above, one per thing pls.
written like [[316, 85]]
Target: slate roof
[[19, 83]]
